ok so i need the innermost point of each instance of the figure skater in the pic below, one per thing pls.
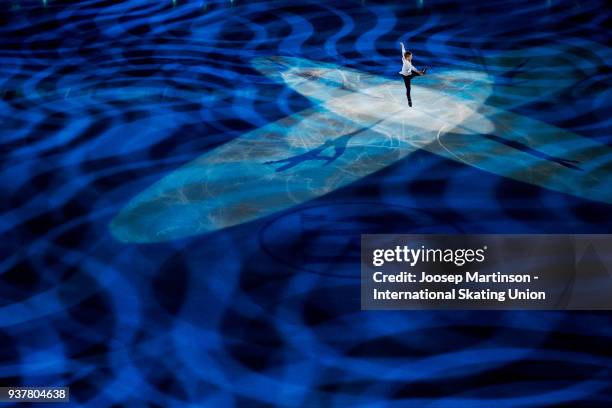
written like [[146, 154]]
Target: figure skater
[[409, 71]]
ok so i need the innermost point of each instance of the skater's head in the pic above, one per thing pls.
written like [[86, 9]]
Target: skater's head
[[408, 55]]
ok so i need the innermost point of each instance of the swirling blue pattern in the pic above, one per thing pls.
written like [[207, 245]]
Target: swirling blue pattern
[[100, 99]]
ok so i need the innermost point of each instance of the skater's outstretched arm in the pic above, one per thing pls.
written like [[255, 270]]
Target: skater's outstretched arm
[[407, 57]]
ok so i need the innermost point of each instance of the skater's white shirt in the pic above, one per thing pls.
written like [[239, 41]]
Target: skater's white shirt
[[407, 66]]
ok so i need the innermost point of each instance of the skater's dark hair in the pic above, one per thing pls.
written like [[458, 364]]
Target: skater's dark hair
[[407, 54]]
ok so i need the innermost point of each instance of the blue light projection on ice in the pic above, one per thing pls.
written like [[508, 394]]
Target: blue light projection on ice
[[359, 124]]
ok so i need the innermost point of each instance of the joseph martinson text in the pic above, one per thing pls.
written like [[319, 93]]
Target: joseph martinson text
[[468, 277], [465, 294]]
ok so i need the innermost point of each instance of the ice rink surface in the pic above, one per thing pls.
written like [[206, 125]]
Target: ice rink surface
[[360, 124], [184, 185]]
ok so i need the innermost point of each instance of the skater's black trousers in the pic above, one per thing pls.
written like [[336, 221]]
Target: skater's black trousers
[[407, 79]]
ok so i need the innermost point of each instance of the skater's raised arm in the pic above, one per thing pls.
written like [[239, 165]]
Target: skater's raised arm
[[403, 50]]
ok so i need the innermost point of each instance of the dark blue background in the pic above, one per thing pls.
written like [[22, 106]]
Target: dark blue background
[[102, 98]]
